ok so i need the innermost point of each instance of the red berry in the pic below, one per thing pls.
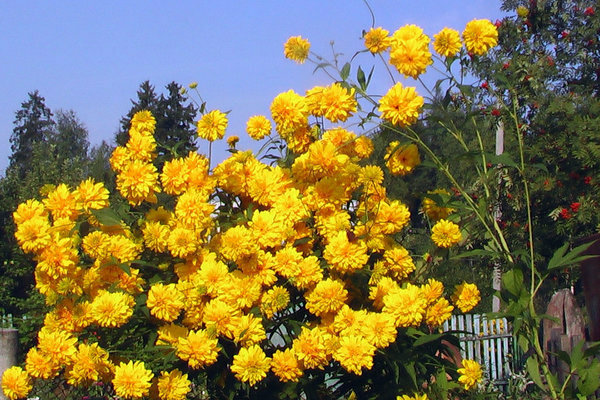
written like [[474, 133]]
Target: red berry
[[589, 11], [496, 112], [485, 85], [506, 65]]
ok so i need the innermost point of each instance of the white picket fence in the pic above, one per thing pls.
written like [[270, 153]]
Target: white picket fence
[[488, 341]]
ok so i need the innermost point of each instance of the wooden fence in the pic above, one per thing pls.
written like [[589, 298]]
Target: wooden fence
[[487, 341]]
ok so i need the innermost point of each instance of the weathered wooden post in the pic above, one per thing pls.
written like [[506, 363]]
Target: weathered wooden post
[[564, 334], [8, 350]]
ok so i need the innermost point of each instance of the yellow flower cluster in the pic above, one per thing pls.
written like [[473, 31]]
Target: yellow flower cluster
[[311, 228], [409, 46]]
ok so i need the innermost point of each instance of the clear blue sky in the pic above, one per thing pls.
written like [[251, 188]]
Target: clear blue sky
[[91, 56]]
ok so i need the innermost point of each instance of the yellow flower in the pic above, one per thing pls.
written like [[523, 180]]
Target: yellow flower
[[88, 365], [61, 202], [415, 397], [141, 146], [33, 235], [398, 262], [182, 242], [479, 36], [401, 106], [249, 330], [165, 301], [410, 57], [132, 380], [447, 42], [409, 32], [470, 373], [343, 255], [402, 159], [41, 365], [405, 305], [258, 126], [221, 317], [275, 299], [91, 195], [333, 102], [432, 290], [377, 40], [328, 296], [466, 296], [112, 309], [311, 347], [16, 383], [290, 113], [156, 236], [232, 141], [445, 233], [212, 125], [296, 48], [174, 176], [170, 334], [379, 329], [354, 353], [250, 364], [56, 344], [29, 210], [285, 365], [198, 349], [138, 182], [143, 121], [438, 313], [173, 385], [431, 208]]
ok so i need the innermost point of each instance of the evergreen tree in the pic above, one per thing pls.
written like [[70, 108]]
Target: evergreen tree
[[33, 124], [70, 137]]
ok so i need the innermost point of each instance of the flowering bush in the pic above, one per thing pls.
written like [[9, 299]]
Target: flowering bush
[[281, 280]]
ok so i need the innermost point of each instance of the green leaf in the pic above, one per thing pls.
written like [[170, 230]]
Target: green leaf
[[589, 379], [561, 258], [504, 159], [345, 72], [360, 77], [512, 281], [125, 267], [107, 216], [427, 339], [475, 253], [410, 369], [533, 368]]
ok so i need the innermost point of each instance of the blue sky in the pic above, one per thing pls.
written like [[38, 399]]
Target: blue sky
[[91, 56]]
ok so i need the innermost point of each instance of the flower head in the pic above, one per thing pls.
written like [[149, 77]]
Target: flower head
[[212, 125], [173, 385], [402, 159], [466, 296], [258, 126], [296, 48], [445, 233], [132, 380], [470, 373], [377, 40], [401, 106], [250, 364], [447, 42], [15, 383], [479, 36], [354, 353]]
